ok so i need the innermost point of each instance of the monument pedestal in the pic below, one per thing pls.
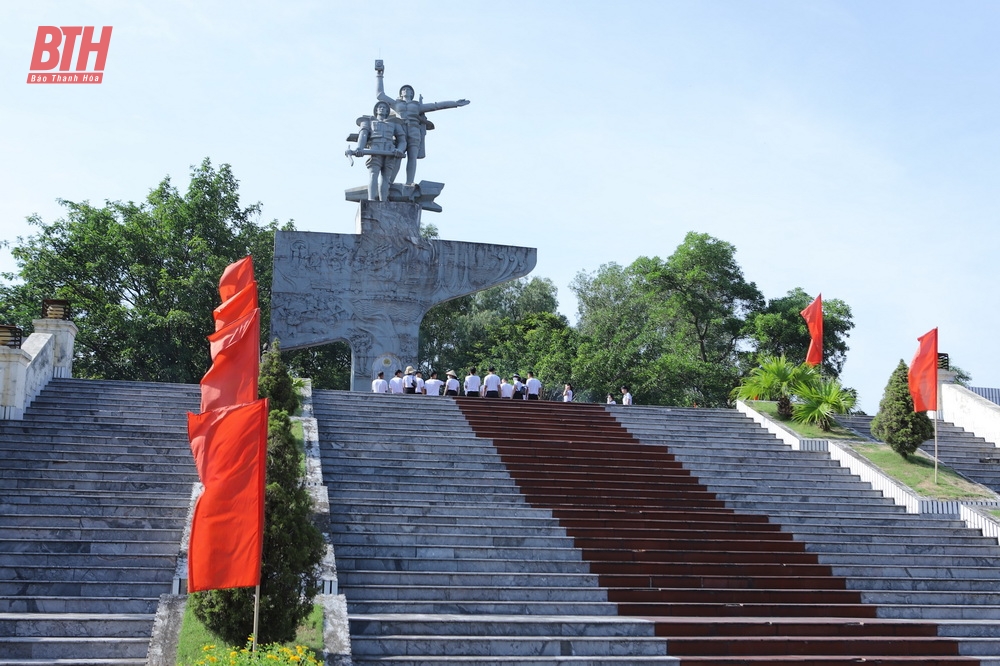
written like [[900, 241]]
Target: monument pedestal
[[374, 287]]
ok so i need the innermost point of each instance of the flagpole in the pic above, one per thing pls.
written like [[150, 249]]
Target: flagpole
[[256, 616], [935, 446]]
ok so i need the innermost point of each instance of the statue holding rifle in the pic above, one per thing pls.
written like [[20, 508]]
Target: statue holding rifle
[[384, 142]]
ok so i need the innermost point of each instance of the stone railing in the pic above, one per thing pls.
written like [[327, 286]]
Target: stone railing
[[24, 372]]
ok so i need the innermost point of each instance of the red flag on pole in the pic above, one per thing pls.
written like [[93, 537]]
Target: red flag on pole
[[227, 530], [813, 314], [923, 373], [237, 306], [235, 350], [235, 278]]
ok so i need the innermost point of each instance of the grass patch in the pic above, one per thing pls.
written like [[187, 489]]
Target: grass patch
[[917, 472], [300, 438], [194, 635], [804, 430]]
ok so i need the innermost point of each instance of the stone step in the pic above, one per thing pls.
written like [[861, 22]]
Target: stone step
[[372, 561], [485, 647], [87, 588], [456, 593], [111, 625], [467, 607], [80, 647], [39, 603]]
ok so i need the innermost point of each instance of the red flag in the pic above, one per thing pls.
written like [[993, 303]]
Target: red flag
[[813, 314], [923, 373], [232, 379], [237, 306], [227, 530], [235, 278]]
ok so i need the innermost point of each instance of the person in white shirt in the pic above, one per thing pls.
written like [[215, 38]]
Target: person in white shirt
[[472, 384], [533, 387], [491, 383], [379, 385], [409, 381], [451, 386], [433, 385], [418, 377], [626, 396], [506, 390], [396, 383], [518, 387], [611, 399], [568, 393]]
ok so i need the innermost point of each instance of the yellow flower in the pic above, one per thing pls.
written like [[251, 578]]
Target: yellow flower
[[294, 658], [213, 659]]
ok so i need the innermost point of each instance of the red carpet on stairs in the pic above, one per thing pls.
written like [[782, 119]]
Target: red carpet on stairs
[[724, 588]]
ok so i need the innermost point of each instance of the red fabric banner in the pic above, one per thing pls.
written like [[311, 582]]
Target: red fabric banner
[[813, 314], [237, 276], [237, 306], [232, 379], [227, 530], [923, 373]]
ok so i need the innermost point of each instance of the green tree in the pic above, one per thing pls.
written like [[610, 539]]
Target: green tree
[[780, 330], [896, 423], [776, 378], [293, 548], [820, 400], [276, 382], [470, 330], [142, 277], [673, 330]]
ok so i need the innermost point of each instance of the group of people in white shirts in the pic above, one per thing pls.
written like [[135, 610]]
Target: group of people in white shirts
[[474, 386]]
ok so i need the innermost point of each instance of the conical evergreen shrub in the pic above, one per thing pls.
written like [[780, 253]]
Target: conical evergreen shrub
[[896, 423]]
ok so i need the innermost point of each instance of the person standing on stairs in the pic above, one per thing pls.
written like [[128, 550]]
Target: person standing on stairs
[[533, 386], [472, 384], [451, 386], [379, 385], [626, 396], [491, 384], [433, 385]]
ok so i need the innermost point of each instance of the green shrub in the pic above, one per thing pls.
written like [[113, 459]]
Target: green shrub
[[896, 423], [293, 549], [275, 381]]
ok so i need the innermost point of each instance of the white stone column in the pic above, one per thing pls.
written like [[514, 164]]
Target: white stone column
[[13, 368], [64, 332]]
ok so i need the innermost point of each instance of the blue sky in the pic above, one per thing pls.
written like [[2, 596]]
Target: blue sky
[[849, 148]]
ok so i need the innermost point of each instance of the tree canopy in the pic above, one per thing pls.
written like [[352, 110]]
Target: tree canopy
[[142, 280], [780, 330], [142, 277]]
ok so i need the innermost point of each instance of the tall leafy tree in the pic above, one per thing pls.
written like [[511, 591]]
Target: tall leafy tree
[[673, 330], [780, 330], [142, 277]]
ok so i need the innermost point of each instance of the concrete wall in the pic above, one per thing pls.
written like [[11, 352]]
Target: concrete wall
[[970, 411]]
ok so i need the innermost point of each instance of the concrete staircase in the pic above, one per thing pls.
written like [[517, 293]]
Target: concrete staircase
[[969, 455], [905, 567], [442, 559], [95, 484], [714, 542]]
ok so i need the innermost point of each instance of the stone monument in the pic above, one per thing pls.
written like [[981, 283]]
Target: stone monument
[[372, 288]]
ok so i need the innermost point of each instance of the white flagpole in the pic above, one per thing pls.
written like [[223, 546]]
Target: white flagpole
[[935, 446], [256, 616]]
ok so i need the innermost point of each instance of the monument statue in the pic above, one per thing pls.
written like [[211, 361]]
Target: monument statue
[[384, 142], [412, 112], [373, 288]]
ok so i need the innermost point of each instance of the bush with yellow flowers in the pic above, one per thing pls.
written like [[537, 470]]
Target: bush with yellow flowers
[[273, 654]]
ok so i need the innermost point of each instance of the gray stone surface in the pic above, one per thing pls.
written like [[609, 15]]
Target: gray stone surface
[[373, 288]]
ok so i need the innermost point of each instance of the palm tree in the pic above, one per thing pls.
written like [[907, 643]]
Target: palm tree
[[819, 401], [776, 378]]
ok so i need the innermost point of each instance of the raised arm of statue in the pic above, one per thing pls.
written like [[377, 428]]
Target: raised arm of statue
[[437, 106]]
